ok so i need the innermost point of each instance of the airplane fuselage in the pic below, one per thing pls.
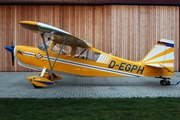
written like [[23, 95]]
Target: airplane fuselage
[[34, 58]]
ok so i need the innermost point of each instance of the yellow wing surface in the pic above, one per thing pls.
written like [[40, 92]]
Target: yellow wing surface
[[57, 34]]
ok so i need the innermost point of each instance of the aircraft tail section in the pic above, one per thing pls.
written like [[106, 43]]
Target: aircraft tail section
[[161, 55]]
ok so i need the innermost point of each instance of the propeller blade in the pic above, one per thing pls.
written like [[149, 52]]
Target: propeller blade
[[12, 57]]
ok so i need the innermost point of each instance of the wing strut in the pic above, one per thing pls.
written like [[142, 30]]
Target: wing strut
[[60, 51], [42, 36]]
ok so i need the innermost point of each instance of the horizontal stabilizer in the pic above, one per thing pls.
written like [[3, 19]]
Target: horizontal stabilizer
[[159, 66]]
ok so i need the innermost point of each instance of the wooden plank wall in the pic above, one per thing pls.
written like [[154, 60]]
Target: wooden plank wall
[[131, 30]]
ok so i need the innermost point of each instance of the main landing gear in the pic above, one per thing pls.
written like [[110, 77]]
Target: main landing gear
[[164, 81], [45, 80]]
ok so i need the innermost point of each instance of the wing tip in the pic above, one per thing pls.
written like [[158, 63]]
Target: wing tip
[[32, 23]]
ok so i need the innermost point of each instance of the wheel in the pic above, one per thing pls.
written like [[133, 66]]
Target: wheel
[[168, 82], [163, 82], [37, 87]]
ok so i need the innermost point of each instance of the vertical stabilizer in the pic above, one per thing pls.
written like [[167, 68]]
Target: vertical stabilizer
[[161, 55]]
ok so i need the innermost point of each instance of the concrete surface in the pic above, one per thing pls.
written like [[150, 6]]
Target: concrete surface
[[15, 85]]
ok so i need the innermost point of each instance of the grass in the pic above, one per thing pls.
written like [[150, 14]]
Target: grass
[[90, 109]]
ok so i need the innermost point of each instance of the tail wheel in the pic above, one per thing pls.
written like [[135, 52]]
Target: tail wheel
[[165, 82]]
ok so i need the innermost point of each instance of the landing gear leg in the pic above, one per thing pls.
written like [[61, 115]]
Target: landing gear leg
[[164, 81]]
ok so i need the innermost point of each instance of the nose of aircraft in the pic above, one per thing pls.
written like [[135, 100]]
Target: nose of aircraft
[[10, 48]]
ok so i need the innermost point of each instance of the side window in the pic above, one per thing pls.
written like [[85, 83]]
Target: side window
[[91, 55], [80, 53], [66, 49], [86, 54]]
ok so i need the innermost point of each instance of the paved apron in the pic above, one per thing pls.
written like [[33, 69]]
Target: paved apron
[[15, 85]]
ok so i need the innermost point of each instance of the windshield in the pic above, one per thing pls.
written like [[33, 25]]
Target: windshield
[[48, 43], [66, 50]]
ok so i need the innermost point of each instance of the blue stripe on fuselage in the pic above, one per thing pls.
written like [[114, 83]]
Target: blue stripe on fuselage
[[94, 67]]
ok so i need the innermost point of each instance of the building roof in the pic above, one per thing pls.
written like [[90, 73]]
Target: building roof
[[97, 2]]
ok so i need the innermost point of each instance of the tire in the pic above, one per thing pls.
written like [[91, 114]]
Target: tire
[[37, 87], [163, 82]]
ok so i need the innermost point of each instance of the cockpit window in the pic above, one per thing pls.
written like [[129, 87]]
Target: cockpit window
[[86, 54], [66, 50], [48, 43]]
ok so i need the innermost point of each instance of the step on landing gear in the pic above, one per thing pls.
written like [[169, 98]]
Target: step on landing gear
[[164, 81]]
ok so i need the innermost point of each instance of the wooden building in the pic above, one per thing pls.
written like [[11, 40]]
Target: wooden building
[[131, 27]]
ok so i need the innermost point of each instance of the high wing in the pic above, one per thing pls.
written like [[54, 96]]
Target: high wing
[[57, 33]]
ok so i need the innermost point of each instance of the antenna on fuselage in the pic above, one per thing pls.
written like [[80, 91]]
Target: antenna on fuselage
[[114, 50]]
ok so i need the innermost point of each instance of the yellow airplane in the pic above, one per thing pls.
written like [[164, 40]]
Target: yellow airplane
[[65, 53]]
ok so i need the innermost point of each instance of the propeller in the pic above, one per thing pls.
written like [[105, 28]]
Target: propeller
[[11, 49], [12, 54]]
